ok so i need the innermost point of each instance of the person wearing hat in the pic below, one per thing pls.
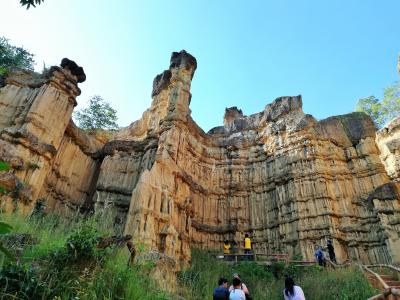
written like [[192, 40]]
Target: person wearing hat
[[243, 287]]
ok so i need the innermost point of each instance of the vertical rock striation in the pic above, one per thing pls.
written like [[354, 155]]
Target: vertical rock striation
[[288, 180]]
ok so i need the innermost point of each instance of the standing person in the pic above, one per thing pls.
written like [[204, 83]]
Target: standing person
[[291, 291], [320, 256], [243, 287], [227, 250], [331, 252], [237, 293], [227, 247], [247, 245], [221, 292]]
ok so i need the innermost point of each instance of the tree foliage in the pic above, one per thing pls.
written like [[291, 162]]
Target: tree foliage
[[382, 111], [98, 115], [14, 57], [30, 3]]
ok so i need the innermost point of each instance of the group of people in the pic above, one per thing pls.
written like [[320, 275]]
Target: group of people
[[319, 254], [231, 246], [239, 291]]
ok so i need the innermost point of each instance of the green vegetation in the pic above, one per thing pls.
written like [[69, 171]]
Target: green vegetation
[[63, 262], [3, 167], [98, 115], [58, 259], [198, 281], [382, 111], [14, 57], [29, 3], [4, 252]]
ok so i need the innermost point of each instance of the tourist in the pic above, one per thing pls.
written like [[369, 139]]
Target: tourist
[[237, 293], [221, 292], [331, 251], [227, 247], [291, 291], [247, 245], [234, 248], [243, 287], [320, 256]]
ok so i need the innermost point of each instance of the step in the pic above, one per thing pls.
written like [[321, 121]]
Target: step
[[392, 283], [390, 277]]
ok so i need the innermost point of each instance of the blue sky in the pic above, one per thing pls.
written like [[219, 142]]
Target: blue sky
[[248, 52]]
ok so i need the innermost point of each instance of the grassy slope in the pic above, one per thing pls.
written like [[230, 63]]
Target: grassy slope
[[113, 280], [317, 283], [110, 279]]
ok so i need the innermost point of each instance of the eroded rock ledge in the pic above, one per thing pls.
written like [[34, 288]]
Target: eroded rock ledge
[[288, 180]]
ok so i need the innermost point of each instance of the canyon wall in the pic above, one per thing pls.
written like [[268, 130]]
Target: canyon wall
[[283, 177]]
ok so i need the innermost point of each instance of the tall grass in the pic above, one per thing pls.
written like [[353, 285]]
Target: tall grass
[[110, 278], [317, 283], [107, 278]]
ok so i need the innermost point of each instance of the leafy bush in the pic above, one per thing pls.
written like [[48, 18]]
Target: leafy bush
[[4, 252], [14, 57]]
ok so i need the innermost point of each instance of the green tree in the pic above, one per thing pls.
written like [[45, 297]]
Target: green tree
[[98, 115], [382, 111], [14, 57], [373, 107], [391, 101], [28, 3]]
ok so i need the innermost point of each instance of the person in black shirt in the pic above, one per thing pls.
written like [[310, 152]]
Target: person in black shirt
[[331, 251]]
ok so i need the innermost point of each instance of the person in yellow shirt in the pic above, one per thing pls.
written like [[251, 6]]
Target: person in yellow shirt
[[227, 247], [247, 244]]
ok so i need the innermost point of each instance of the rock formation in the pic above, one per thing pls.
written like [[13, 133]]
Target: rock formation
[[288, 180]]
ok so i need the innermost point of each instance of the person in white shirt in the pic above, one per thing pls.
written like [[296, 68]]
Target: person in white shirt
[[237, 293], [242, 285], [291, 291]]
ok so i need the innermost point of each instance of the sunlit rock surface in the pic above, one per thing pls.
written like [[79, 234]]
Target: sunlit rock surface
[[288, 180]]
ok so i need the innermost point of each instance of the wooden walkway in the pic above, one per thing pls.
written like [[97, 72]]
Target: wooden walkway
[[264, 259]]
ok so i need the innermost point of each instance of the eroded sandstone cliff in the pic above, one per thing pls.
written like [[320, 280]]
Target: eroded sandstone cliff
[[288, 180]]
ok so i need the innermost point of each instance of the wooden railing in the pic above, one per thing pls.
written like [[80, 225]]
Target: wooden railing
[[388, 292], [258, 257]]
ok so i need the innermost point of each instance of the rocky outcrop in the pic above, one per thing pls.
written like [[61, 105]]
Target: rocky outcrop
[[388, 141], [288, 180], [49, 155]]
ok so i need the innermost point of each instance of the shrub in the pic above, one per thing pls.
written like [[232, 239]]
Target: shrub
[[19, 281]]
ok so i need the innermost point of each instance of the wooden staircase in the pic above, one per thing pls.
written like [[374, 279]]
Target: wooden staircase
[[385, 278]]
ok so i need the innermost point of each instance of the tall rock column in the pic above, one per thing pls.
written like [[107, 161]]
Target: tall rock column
[[35, 111], [138, 188]]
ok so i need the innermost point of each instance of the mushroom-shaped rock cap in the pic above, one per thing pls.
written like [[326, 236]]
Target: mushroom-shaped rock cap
[[74, 69], [183, 59]]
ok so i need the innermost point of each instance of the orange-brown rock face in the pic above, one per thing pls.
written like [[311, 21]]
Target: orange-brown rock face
[[37, 137], [388, 141], [288, 180]]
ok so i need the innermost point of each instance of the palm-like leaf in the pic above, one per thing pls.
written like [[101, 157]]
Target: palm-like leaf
[[5, 228]]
